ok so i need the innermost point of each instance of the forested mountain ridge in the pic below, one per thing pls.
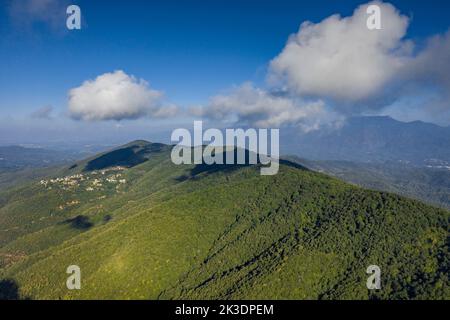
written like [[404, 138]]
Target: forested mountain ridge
[[141, 227]]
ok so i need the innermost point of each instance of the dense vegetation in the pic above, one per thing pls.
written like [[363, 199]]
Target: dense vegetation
[[143, 228], [431, 185]]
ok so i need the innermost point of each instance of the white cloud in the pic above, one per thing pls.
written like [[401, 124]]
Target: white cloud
[[341, 59], [425, 80], [327, 70], [117, 96], [432, 64], [250, 106]]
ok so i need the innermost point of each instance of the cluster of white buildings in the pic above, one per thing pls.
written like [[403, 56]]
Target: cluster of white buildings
[[66, 182], [94, 183], [115, 178]]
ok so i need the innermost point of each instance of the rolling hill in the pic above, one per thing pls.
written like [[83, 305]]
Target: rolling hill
[[141, 227]]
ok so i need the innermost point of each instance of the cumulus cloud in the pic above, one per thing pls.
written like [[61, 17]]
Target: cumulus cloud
[[341, 59], [117, 96], [42, 113], [337, 68], [326, 71], [250, 106], [429, 81]]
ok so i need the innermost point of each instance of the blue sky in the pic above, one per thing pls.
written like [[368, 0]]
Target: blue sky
[[190, 50]]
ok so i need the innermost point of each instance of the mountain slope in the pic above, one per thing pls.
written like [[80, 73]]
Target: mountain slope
[[431, 185], [171, 231]]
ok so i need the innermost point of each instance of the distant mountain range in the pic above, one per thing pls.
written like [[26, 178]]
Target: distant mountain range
[[374, 139], [15, 157], [140, 227]]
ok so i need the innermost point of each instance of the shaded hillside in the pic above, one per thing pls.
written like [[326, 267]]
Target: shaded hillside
[[157, 230], [128, 156]]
